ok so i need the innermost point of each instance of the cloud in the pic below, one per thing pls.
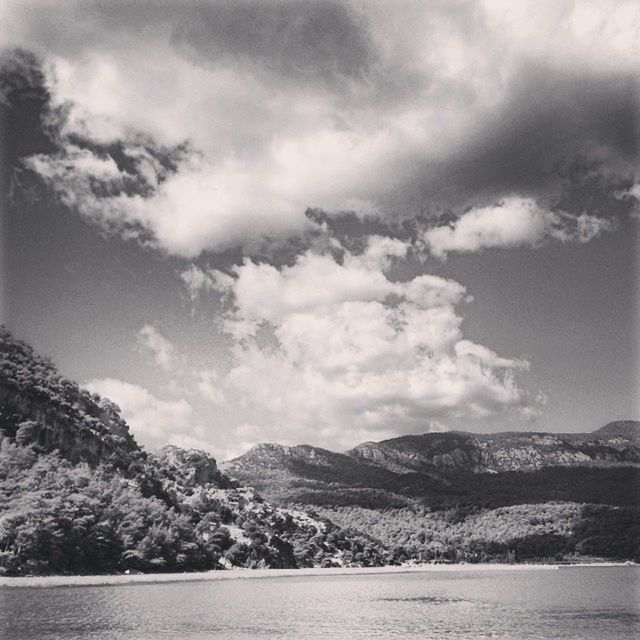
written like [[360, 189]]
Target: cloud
[[151, 340], [630, 196], [331, 351], [201, 281], [154, 422], [209, 386], [305, 41], [514, 222], [197, 280], [337, 106]]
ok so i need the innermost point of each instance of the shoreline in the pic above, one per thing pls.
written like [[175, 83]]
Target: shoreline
[[253, 574]]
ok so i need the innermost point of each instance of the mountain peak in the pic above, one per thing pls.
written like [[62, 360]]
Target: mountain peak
[[626, 429]]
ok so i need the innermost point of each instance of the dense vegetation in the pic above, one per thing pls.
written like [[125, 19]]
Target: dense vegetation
[[77, 495], [549, 531]]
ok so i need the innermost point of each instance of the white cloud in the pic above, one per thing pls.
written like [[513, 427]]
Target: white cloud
[[513, 222], [330, 352], [632, 192], [196, 281], [154, 422], [150, 339]]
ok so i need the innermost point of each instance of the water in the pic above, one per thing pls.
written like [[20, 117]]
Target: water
[[571, 603]]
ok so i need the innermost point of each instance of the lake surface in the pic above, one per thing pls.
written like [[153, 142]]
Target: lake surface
[[581, 603]]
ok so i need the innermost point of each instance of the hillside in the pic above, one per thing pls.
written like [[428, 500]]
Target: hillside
[[441, 469], [462, 496], [434, 453], [78, 495], [38, 407]]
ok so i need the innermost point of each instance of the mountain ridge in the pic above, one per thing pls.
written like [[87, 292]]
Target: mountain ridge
[[78, 495], [450, 467], [437, 452]]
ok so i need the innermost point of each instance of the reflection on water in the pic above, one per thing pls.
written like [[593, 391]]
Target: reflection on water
[[574, 603], [424, 599]]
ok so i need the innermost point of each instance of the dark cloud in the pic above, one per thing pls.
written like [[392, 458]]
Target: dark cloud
[[31, 127], [552, 129], [304, 40], [320, 40], [25, 113]]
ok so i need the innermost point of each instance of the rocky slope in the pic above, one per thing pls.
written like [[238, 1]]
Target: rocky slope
[[37, 407], [449, 468], [434, 453]]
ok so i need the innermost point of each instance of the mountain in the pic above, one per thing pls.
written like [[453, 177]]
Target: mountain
[[451, 467], [285, 473], [434, 453], [78, 495], [472, 497]]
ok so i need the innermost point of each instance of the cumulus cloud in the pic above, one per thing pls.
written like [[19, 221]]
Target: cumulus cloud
[[332, 351], [151, 340], [154, 422], [513, 222]]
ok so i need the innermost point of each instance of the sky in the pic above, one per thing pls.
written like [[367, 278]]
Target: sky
[[326, 222]]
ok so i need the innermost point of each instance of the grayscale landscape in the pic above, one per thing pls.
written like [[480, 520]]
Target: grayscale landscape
[[319, 319]]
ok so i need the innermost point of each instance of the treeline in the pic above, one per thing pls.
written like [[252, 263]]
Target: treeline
[[57, 517], [517, 533]]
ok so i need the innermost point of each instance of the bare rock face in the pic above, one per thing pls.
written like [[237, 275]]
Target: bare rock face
[[39, 407], [191, 466]]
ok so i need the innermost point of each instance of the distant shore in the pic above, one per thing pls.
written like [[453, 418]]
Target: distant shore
[[236, 574]]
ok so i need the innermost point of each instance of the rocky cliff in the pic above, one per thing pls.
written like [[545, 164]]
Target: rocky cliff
[[40, 407]]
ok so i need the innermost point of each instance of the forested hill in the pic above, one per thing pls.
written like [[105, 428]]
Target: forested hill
[[78, 495], [39, 407], [469, 496]]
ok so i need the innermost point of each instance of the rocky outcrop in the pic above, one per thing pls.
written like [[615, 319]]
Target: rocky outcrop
[[191, 467], [429, 454], [40, 407]]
